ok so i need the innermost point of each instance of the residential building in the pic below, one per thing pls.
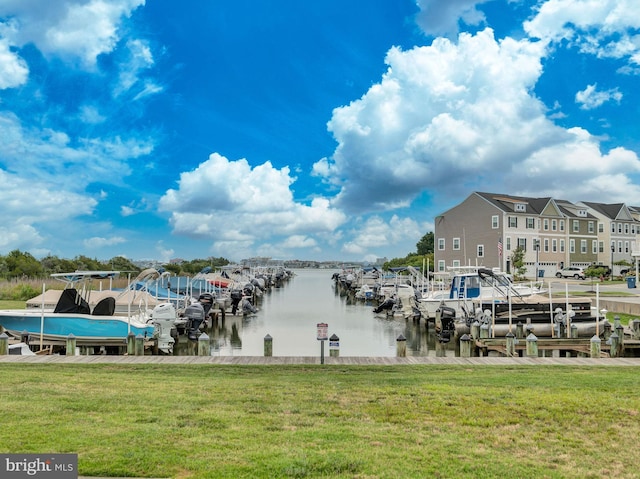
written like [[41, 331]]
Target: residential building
[[618, 232], [486, 228]]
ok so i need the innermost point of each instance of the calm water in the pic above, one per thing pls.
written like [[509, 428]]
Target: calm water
[[290, 316]]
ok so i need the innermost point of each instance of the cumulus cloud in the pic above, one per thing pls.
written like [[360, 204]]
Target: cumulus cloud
[[231, 201], [591, 98], [75, 30], [30, 207], [440, 18], [374, 233], [605, 28], [448, 117]]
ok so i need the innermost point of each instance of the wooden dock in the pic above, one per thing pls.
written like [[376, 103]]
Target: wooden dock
[[328, 361]]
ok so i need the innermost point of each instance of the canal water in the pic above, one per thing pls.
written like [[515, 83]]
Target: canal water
[[291, 314]]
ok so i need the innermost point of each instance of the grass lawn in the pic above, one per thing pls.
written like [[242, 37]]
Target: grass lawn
[[319, 421]]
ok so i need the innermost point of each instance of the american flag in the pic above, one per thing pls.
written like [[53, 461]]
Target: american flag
[[500, 247]]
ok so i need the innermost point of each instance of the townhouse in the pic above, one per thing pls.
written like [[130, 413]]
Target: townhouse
[[486, 228]]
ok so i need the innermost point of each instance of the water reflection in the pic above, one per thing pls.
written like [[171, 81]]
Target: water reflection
[[290, 316]]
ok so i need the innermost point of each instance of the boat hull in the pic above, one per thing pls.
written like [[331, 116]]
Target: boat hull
[[82, 327]]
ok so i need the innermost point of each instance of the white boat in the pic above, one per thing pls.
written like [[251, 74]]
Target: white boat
[[72, 315], [472, 283]]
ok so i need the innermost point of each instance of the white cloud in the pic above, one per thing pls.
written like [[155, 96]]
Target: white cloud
[[13, 69], [34, 211], [76, 30], [99, 242], [449, 117], [230, 201], [605, 28], [590, 98], [441, 18], [53, 156], [375, 233]]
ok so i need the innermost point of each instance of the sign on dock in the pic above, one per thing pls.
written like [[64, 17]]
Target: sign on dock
[[323, 331]]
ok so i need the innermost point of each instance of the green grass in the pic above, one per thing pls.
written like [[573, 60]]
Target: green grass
[[313, 421]]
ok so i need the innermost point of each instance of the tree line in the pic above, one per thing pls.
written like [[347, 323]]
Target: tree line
[[19, 264], [424, 253]]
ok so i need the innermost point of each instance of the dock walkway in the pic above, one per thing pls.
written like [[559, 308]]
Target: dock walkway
[[328, 361]]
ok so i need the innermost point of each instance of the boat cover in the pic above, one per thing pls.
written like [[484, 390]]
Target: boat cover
[[72, 302]]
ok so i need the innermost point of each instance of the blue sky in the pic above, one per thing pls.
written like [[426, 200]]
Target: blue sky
[[332, 130]]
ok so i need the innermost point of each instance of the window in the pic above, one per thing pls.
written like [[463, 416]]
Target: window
[[619, 227], [522, 243], [554, 225], [572, 246], [576, 226], [441, 244], [626, 246], [583, 246], [480, 251], [520, 207], [441, 265], [456, 244], [600, 227], [456, 263], [513, 222], [619, 246], [626, 228], [561, 225], [613, 227], [546, 245], [600, 246], [554, 246], [545, 224], [562, 246], [591, 227], [508, 244], [594, 246], [495, 222], [531, 223]]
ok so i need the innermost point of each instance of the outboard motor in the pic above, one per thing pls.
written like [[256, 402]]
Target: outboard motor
[[445, 325], [386, 305], [206, 300], [195, 315], [236, 297], [561, 323], [164, 317], [248, 307]]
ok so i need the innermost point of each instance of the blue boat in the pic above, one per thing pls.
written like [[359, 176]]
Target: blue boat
[[72, 315]]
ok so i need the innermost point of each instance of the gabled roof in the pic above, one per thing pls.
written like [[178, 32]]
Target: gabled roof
[[571, 210], [612, 211], [507, 203]]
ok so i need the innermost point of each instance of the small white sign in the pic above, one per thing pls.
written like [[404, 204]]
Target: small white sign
[[323, 331]]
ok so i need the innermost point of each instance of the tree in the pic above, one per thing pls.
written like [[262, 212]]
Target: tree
[[20, 264], [120, 263], [426, 244], [517, 260]]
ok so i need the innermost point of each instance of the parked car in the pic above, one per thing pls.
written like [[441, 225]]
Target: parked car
[[625, 271], [571, 272], [606, 270]]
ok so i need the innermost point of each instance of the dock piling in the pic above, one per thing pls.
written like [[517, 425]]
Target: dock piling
[[268, 346]]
